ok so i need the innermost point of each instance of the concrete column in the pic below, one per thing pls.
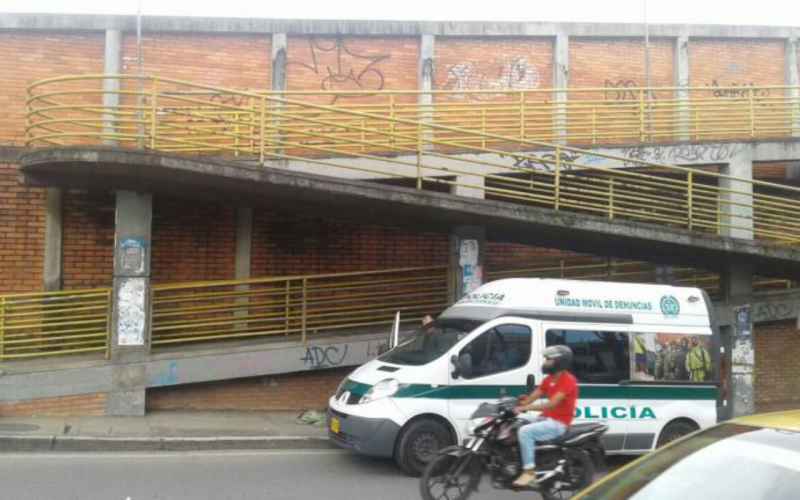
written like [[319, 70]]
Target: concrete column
[[277, 80], [54, 224], [561, 81], [244, 241], [130, 318], [681, 79], [737, 206], [427, 55], [112, 65], [466, 242], [792, 78], [739, 342]]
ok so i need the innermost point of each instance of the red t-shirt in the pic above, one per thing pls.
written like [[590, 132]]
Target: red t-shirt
[[567, 384]]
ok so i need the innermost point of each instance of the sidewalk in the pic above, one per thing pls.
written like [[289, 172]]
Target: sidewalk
[[164, 430]]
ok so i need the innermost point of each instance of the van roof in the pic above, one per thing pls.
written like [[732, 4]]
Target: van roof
[[596, 301]]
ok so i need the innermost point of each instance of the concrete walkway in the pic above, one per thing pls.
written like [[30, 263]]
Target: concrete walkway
[[166, 430]]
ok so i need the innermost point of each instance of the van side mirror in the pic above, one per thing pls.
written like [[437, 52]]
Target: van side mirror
[[456, 373], [530, 383]]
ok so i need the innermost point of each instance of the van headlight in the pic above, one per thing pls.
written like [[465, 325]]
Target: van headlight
[[382, 389]]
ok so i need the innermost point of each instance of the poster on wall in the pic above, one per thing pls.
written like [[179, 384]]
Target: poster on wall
[[131, 312], [671, 357], [472, 273]]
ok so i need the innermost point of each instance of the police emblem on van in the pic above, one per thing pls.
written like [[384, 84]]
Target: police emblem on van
[[670, 306]]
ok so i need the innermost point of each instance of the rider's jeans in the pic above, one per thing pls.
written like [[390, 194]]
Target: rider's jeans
[[539, 429]]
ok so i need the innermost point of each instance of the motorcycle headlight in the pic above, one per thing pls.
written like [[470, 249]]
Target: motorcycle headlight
[[477, 422], [382, 389]]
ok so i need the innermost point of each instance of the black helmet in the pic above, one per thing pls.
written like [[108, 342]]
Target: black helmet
[[562, 356]]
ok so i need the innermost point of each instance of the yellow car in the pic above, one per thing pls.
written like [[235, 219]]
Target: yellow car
[[750, 458]]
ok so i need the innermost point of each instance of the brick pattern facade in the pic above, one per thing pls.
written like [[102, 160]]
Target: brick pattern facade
[[192, 241], [292, 391], [284, 245], [88, 239], [79, 405], [351, 63], [237, 62], [22, 225], [27, 56], [777, 369]]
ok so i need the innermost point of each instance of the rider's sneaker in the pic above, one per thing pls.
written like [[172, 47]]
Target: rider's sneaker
[[527, 478]]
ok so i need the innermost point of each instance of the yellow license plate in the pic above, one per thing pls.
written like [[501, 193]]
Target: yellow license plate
[[335, 425]]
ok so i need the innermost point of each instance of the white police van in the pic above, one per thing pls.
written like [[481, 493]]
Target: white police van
[[646, 359]]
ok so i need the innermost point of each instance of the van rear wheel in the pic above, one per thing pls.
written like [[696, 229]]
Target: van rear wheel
[[418, 445], [673, 431]]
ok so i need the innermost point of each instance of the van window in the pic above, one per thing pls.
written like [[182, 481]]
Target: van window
[[430, 342], [502, 348], [672, 357], [600, 357]]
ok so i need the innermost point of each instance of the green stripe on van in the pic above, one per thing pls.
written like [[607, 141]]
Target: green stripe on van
[[695, 393]]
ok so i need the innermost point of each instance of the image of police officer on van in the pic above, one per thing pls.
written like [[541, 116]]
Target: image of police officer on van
[[672, 357]]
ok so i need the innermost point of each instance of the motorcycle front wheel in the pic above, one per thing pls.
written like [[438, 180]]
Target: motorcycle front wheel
[[451, 478]]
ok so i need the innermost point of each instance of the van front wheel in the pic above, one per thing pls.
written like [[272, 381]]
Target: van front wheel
[[418, 445], [673, 431]]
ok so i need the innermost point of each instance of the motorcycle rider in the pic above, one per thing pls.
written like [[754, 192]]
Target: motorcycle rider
[[561, 388]]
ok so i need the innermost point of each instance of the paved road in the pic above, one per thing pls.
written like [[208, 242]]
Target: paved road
[[256, 475]]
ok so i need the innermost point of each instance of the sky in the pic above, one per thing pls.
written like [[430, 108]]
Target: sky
[[761, 12]]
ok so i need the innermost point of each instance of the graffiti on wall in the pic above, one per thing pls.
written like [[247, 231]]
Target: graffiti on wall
[[623, 90], [736, 90], [339, 67], [502, 73]]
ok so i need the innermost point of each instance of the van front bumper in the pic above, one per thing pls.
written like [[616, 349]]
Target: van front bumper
[[370, 436]]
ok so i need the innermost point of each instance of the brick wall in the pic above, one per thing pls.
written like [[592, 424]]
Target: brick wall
[[22, 225], [352, 63], [233, 61], [26, 57], [80, 405], [777, 371], [88, 239], [293, 391], [192, 241], [284, 245]]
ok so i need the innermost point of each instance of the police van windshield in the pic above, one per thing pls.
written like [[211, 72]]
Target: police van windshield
[[430, 342]]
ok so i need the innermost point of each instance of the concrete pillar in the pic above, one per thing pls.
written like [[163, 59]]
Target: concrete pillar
[[130, 316], [737, 207], [277, 82], [792, 78], [54, 224], [112, 65], [683, 115], [278, 61], [561, 81], [466, 242], [244, 241], [739, 342], [427, 54]]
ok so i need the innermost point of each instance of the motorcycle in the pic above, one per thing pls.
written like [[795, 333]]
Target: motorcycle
[[564, 465]]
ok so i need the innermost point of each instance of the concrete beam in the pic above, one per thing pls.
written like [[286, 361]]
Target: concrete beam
[[225, 182], [173, 24], [278, 62], [54, 228], [791, 74], [736, 199]]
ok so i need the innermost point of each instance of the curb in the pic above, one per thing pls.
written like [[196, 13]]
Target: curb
[[16, 444]]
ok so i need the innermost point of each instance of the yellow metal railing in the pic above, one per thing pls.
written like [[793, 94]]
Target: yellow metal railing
[[300, 305], [175, 116], [54, 323], [75, 322]]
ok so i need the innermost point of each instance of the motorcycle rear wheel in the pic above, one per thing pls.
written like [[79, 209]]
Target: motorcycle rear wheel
[[451, 478], [580, 474]]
